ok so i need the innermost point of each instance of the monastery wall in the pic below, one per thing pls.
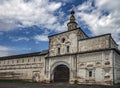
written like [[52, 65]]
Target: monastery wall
[[28, 68]]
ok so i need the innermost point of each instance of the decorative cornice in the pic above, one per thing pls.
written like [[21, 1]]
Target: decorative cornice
[[85, 52]]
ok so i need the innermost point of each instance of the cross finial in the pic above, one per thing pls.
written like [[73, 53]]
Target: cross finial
[[72, 23], [72, 12], [72, 7]]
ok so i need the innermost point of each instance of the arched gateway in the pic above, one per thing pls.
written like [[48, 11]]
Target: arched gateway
[[61, 73]]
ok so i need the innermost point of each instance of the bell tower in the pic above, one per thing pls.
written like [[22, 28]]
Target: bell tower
[[72, 23]]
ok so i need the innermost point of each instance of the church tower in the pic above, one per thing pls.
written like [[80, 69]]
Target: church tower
[[72, 23]]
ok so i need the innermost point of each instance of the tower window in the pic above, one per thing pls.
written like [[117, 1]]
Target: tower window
[[58, 50], [68, 49], [63, 40]]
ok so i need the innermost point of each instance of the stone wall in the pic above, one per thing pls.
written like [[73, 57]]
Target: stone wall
[[101, 65], [28, 68], [117, 67], [96, 43]]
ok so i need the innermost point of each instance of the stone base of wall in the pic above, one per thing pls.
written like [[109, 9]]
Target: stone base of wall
[[97, 82]]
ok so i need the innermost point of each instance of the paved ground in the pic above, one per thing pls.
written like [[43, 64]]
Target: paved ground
[[38, 85]]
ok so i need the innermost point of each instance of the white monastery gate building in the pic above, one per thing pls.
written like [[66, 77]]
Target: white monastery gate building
[[72, 57]]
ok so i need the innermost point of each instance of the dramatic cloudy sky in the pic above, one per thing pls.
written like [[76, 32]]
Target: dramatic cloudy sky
[[25, 24]]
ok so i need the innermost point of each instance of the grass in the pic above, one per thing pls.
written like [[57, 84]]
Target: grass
[[58, 84], [14, 81]]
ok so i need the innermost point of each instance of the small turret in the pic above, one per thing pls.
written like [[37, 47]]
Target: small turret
[[72, 23]]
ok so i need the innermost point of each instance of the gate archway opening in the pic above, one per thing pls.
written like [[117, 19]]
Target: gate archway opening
[[61, 73]]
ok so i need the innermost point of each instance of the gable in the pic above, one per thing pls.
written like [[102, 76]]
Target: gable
[[71, 39]]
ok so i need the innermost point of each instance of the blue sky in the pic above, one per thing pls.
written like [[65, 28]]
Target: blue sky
[[26, 24]]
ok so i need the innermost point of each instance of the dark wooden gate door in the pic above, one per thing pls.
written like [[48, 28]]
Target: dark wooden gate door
[[61, 74]]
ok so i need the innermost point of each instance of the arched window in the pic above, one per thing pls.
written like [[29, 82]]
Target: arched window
[[68, 49], [63, 40], [58, 50]]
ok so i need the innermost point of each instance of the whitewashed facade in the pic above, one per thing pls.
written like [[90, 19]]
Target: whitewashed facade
[[72, 57]]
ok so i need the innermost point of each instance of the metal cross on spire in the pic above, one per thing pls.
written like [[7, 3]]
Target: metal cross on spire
[[72, 23], [73, 7], [72, 12]]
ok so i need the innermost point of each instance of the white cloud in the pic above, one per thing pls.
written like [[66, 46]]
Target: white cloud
[[21, 39], [3, 54], [41, 38], [7, 51], [22, 13], [26, 49], [4, 50], [64, 1], [103, 17]]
